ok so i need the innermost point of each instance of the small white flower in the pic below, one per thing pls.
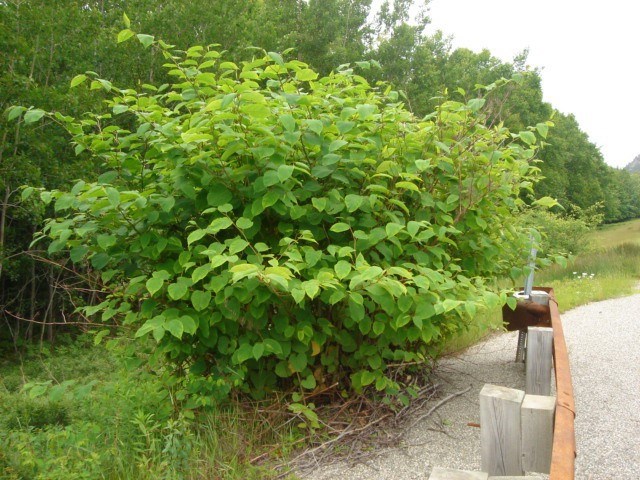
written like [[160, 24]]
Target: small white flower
[[575, 273]]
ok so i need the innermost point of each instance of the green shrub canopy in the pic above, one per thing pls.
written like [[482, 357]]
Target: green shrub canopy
[[269, 227]]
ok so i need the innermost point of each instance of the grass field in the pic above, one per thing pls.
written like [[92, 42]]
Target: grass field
[[609, 269], [609, 236]]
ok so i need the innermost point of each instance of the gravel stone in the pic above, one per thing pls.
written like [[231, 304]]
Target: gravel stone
[[602, 339]]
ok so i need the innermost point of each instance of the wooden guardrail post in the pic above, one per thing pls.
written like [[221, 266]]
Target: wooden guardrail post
[[500, 430], [537, 432], [539, 360]]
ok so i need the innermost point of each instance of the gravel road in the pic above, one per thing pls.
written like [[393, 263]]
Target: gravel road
[[602, 340]]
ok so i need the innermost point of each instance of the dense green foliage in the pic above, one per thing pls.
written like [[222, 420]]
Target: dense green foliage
[[262, 222], [44, 44]]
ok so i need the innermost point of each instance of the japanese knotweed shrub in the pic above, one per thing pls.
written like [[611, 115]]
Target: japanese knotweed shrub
[[264, 227]]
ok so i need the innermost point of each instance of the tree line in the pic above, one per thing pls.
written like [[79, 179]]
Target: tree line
[[45, 44]]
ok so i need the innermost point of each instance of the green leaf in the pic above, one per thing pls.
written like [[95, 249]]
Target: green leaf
[[195, 236], [77, 80], [272, 346], [285, 172], [306, 75], [26, 193], [271, 198], [356, 310], [125, 35], [175, 328], [342, 268], [78, 253], [367, 378], [288, 122], [476, 104], [243, 270], [337, 144], [528, 137], [100, 260], [298, 362], [237, 245], [353, 202], [408, 186], [244, 223], [311, 288], [258, 350], [218, 195], [145, 40], [298, 295], [14, 112], [34, 115], [221, 223], [200, 299], [319, 203], [309, 383], [546, 202], [339, 227], [365, 111], [114, 196], [125, 20], [315, 126], [276, 57], [244, 353], [392, 229], [177, 290], [201, 272], [189, 325], [543, 129], [99, 336], [154, 284]]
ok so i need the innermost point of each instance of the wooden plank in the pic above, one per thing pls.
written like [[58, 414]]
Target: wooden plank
[[539, 360], [449, 474], [537, 432], [500, 431], [564, 438]]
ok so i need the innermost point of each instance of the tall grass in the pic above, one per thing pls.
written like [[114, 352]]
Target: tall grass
[[101, 419], [609, 236], [596, 275]]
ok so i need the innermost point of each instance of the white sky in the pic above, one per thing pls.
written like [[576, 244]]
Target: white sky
[[589, 52]]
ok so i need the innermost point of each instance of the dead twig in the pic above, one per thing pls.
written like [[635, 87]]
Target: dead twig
[[437, 406]]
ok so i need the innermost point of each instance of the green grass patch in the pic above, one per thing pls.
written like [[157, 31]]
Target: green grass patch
[[83, 412], [596, 275], [609, 236]]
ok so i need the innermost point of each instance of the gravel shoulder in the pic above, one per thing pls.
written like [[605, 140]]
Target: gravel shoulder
[[602, 339]]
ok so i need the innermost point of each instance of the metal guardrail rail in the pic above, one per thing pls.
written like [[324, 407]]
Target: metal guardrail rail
[[564, 441]]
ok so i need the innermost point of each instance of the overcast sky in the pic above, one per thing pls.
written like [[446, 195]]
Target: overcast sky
[[589, 53]]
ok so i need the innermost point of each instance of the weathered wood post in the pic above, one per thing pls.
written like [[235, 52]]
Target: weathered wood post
[[500, 430], [537, 432], [539, 358]]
